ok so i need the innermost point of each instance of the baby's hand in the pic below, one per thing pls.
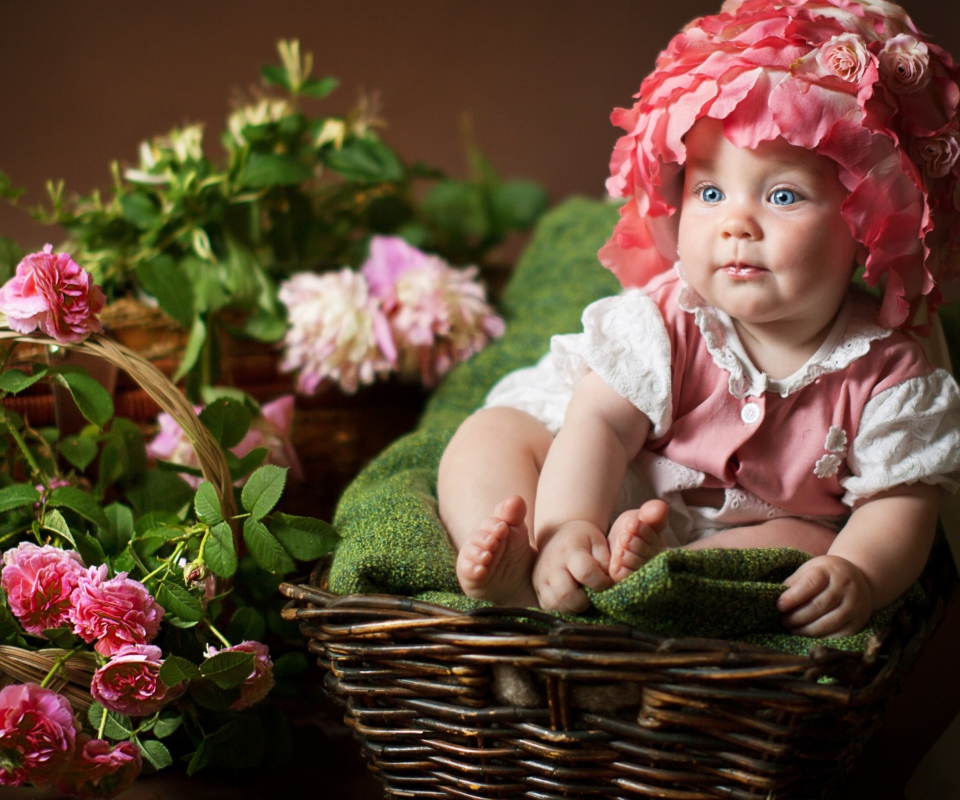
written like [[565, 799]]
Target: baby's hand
[[827, 596], [574, 556]]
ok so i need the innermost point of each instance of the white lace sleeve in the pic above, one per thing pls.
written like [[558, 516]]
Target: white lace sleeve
[[908, 433], [624, 341]]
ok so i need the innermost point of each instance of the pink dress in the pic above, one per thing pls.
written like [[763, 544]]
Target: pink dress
[[867, 412]]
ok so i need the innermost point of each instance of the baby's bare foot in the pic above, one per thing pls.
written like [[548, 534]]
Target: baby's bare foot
[[636, 537], [496, 560]]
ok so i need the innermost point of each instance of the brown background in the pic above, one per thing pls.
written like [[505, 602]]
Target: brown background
[[84, 82]]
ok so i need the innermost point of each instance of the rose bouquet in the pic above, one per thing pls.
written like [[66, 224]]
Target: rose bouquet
[[405, 311], [121, 625]]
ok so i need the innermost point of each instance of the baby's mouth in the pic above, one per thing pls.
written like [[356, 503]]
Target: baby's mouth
[[744, 271]]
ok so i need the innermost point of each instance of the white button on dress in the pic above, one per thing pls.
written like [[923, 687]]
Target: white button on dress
[[750, 413]]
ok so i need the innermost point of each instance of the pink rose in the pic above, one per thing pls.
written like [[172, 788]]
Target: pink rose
[[905, 64], [99, 769], [260, 682], [936, 154], [39, 582], [115, 612], [845, 56], [37, 735], [50, 291], [129, 683]]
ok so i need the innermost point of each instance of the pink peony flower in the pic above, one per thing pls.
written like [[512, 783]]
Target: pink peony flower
[[115, 612], [39, 582], [337, 332], [905, 64], [272, 429], [936, 154], [845, 56], [129, 683], [50, 291], [37, 735], [439, 314], [260, 682], [100, 769]]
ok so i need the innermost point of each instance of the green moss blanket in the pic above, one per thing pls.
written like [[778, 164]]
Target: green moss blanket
[[393, 542]]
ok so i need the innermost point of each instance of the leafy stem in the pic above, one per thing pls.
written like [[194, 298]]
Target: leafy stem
[[166, 564], [56, 666], [217, 633], [34, 467]]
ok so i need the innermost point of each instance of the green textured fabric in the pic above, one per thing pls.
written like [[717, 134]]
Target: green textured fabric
[[393, 542]]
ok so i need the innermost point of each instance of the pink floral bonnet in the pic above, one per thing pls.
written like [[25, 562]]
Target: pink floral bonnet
[[852, 79]]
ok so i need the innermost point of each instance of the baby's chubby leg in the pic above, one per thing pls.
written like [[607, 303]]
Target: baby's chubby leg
[[486, 489]]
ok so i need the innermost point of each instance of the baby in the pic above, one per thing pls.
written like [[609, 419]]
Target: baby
[[742, 391]]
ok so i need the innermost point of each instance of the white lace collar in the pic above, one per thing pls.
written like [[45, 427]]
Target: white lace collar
[[850, 337]]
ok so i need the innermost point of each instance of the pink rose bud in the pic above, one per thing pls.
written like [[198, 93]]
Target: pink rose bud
[[37, 735], [50, 291], [845, 56], [99, 769], [937, 154], [39, 582], [115, 612], [905, 64], [260, 682], [129, 683]]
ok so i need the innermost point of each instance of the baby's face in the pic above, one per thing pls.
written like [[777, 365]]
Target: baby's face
[[761, 235]]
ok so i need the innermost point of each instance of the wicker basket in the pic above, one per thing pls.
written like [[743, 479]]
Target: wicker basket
[[508, 703], [73, 680]]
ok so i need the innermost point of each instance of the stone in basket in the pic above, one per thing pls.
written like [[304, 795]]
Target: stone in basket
[[113, 579]]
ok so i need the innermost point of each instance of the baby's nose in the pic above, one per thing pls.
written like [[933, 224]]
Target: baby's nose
[[740, 224]]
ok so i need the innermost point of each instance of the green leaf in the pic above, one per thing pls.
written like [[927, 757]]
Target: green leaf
[[265, 549], [91, 398], [241, 467], [318, 88], [227, 420], [176, 669], [265, 326], [516, 205], [160, 491], [80, 502], [207, 694], [305, 538], [121, 526], [14, 380], [156, 753], [200, 757], [264, 488], [229, 669], [458, 209], [79, 451], [178, 601], [61, 637], [198, 337], [140, 211], [89, 549], [207, 504], [264, 170], [18, 496], [167, 724], [246, 625], [290, 664], [166, 280], [53, 520], [366, 161], [219, 552], [118, 726], [275, 76]]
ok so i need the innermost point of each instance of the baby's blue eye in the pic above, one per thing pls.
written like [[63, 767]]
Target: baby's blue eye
[[784, 197], [711, 194]]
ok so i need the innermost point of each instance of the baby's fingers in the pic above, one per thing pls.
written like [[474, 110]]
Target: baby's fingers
[[587, 571], [802, 587]]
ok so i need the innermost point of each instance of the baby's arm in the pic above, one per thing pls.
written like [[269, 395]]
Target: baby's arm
[[878, 554], [581, 477]]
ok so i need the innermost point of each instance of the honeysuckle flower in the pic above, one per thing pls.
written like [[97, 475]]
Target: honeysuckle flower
[[337, 332], [100, 769], [807, 71], [936, 154], [113, 613], [260, 113], [905, 64], [39, 582], [272, 429], [129, 683], [260, 682], [438, 314], [37, 735], [50, 291]]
